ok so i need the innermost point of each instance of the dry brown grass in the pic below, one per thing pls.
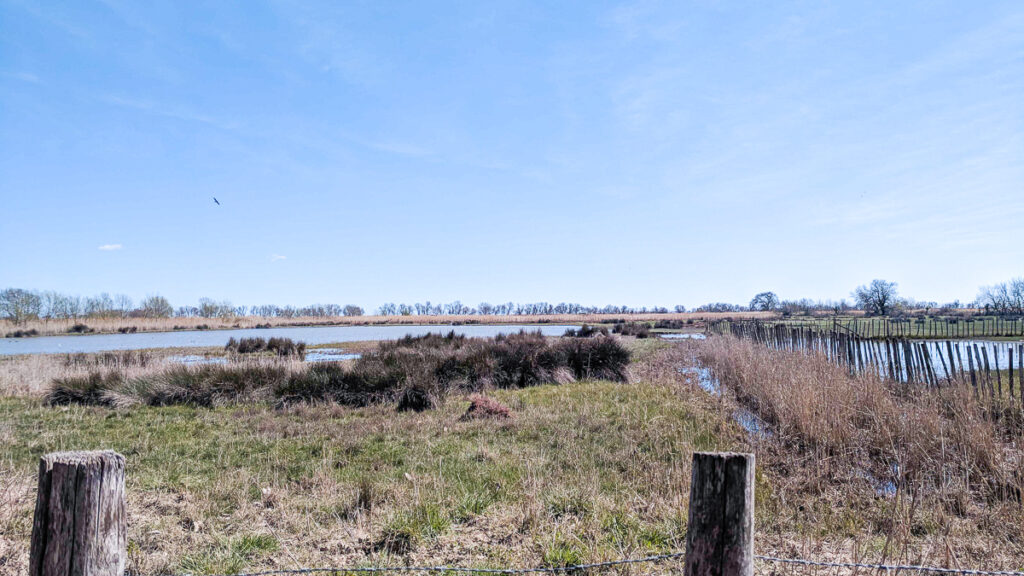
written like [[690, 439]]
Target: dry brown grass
[[953, 467], [112, 325], [32, 375]]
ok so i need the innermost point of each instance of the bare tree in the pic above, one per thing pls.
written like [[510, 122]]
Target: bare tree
[[156, 307], [1005, 297], [765, 302], [878, 298], [122, 305], [20, 305]]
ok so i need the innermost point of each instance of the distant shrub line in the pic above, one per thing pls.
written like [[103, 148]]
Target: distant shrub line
[[638, 329], [414, 373]]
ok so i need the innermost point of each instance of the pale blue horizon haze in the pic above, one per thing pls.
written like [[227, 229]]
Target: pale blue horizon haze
[[638, 153]]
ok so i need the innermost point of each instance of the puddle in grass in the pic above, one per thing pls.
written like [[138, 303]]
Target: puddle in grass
[[329, 355], [704, 379], [317, 355], [196, 360], [750, 422], [683, 336], [885, 488]]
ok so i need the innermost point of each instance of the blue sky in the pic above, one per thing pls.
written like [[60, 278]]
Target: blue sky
[[631, 153]]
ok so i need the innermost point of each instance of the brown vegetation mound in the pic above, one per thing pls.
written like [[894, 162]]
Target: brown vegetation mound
[[485, 407]]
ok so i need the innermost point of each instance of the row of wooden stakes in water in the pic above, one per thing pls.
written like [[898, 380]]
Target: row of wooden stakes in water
[[929, 362]]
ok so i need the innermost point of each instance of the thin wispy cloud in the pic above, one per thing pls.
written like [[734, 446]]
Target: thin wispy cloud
[[167, 111], [277, 257], [110, 247]]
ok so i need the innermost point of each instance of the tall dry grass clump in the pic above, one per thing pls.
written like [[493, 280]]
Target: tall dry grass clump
[[941, 441]]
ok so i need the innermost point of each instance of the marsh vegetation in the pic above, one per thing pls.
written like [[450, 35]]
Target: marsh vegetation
[[530, 452]]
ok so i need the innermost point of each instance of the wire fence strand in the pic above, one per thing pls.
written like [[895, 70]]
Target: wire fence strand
[[612, 563], [889, 567]]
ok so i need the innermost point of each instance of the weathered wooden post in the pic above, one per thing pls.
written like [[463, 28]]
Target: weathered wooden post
[[79, 527], [720, 533]]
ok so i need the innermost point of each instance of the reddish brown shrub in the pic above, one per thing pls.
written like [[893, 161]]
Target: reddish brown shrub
[[485, 407]]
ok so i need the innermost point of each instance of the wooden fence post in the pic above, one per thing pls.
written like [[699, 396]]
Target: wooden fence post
[[720, 532], [79, 527]]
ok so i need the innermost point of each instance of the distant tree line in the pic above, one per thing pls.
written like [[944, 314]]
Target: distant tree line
[[879, 297], [20, 305], [457, 308], [1005, 297]]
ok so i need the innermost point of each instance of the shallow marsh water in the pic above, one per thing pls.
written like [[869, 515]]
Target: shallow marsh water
[[206, 338]]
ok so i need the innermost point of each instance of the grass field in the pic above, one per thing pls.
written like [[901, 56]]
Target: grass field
[[582, 471]]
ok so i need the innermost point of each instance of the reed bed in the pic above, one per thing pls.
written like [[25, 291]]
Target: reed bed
[[32, 374], [858, 455]]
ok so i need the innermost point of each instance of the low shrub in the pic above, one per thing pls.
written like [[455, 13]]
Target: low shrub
[[416, 399], [671, 324], [128, 329], [638, 329], [586, 331], [485, 407], [284, 347], [79, 329], [94, 389], [22, 333]]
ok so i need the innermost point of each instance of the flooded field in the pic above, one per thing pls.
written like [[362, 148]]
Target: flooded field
[[192, 339]]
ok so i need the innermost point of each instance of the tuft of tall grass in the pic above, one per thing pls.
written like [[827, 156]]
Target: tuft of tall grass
[[284, 347], [203, 385]]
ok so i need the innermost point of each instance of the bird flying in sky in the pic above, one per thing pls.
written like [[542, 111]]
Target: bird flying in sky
[[215, 201]]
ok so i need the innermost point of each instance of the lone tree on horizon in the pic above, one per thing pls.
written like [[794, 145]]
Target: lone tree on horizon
[[764, 302], [878, 298]]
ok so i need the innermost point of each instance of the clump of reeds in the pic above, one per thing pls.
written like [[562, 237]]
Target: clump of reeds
[[96, 388], [638, 329], [116, 359], [585, 331], [284, 347], [205, 385], [414, 372], [672, 324]]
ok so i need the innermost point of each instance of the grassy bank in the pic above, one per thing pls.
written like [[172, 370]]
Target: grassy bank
[[579, 471]]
